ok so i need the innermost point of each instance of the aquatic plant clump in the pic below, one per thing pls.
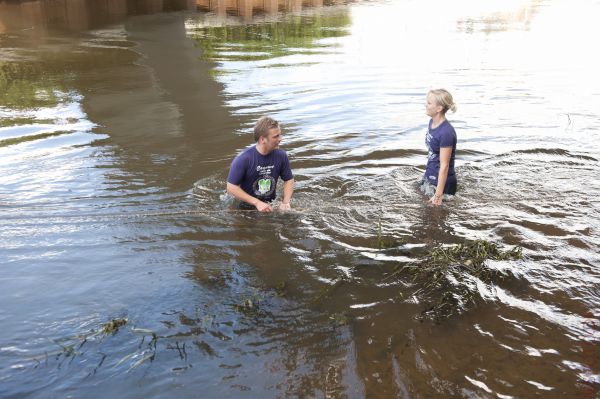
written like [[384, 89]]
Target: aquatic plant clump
[[249, 304], [473, 254], [113, 326], [448, 275]]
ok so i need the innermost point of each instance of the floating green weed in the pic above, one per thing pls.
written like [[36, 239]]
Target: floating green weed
[[67, 349], [249, 305], [113, 326], [449, 274], [473, 254], [339, 319], [385, 242], [280, 288]]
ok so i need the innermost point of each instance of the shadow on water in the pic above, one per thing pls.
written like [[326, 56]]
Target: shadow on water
[[186, 129]]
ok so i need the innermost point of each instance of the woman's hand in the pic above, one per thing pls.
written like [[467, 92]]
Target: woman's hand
[[284, 207], [436, 200]]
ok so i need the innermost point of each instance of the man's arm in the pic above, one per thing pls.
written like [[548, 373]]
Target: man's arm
[[288, 190], [238, 193]]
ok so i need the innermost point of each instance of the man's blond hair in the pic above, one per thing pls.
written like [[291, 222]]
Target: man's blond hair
[[262, 127]]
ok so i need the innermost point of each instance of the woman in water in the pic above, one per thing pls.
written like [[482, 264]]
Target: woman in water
[[441, 141]]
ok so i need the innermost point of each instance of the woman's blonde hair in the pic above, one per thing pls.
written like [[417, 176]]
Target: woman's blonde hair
[[444, 98]]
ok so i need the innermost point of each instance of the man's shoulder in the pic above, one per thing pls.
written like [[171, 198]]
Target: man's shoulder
[[243, 158], [247, 153], [280, 153], [251, 150]]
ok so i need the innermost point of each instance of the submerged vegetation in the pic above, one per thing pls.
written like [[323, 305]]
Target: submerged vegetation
[[327, 291], [71, 347], [447, 280], [448, 275], [473, 254]]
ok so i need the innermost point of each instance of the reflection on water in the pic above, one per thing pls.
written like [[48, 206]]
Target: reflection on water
[[247, 9], [118, 122], [293, 36], [491, 20], [77, 15]]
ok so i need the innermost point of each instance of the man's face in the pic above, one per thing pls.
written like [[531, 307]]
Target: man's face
[[273, 139]]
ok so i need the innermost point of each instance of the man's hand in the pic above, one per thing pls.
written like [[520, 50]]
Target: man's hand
[[263, 206], [239, 194], [285, 206]]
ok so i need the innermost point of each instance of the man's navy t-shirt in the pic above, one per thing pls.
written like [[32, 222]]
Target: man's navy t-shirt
[[440, 137], [257, 174]]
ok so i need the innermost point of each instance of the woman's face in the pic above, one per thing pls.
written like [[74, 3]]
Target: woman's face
[[431, 107]]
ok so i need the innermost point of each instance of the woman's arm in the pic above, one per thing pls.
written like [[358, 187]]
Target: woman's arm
[[445, 154]]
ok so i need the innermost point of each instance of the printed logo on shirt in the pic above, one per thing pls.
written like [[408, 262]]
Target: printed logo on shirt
[[431, 154], [264, 170], [264, 187]]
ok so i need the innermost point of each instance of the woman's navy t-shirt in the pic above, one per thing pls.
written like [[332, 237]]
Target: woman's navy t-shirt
[[257, 174], [440, 137]]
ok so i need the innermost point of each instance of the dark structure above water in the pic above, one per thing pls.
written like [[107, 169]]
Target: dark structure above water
[[76, 15]]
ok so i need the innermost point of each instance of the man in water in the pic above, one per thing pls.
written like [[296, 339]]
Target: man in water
[[254, 173]]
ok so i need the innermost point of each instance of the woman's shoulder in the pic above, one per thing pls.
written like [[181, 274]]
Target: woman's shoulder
[[447, 126]]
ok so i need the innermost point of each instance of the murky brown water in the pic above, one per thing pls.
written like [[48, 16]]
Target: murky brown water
[[119, 120]]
